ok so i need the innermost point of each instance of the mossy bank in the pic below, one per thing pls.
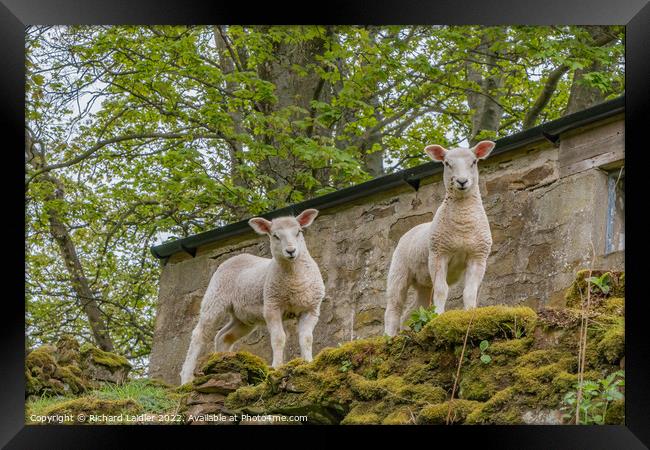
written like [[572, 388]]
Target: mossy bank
[[408, 379]]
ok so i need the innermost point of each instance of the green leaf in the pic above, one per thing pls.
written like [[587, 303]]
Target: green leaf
[[484, 345], [485, 359]]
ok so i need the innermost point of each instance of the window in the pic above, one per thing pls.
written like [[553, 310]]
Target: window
[[615, 233]]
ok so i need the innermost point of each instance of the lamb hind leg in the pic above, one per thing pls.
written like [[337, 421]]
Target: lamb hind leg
[[396, 296], [201, 338], [230, 334]]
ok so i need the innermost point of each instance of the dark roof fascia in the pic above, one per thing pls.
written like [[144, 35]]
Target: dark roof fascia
[[550, 131]]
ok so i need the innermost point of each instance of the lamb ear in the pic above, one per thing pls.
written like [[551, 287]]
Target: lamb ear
[[436, 152], [483, 149], [306, 217], [260, 225]]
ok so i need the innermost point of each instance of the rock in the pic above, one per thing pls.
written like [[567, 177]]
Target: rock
[[48, 372], [408, 378], [67, 350], [367, 317], [204, 408], [104, 366], [251, 368], [542, 417], [223, 383], [197, 398]]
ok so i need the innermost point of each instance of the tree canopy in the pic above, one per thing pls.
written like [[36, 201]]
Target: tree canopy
[[138, 132]]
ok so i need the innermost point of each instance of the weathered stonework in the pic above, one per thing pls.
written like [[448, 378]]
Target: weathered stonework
[[546, 206]]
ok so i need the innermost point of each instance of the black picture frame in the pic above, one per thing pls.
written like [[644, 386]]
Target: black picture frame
[[635, 14]]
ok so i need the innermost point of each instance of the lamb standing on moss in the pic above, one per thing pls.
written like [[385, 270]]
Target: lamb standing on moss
[[456, 242], [255, 290]]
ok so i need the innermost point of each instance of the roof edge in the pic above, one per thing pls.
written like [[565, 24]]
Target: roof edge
[[547, 131]]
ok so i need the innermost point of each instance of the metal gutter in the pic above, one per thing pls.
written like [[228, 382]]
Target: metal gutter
[[550, 131]]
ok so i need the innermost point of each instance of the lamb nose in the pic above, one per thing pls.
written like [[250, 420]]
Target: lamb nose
[[291, 250], [462, 181]]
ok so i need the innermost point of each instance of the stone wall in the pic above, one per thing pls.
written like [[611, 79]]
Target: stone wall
[[547, 205]]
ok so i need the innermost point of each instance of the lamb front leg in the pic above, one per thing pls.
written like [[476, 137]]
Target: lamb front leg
[[438, 266], [273, 318], [306, 325], [473, 279]]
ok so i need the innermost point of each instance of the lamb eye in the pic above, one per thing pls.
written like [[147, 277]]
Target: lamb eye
[[474, 163], [276, 236], [447, 164]]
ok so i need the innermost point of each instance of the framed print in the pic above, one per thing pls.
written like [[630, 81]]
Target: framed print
[[406, 217]]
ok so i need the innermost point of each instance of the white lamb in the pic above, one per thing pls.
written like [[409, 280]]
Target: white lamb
[[254, 290], [456, 242]]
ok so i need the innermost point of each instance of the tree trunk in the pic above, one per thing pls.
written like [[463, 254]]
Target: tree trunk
[[485, 103], [294, 90], [234, 146], [550, 86], [61, 235], [582, 96]]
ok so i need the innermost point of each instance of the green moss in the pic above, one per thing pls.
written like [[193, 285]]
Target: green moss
[[618, 284], [374, 389], [420, 393], [42, 361], [185, 388], [399, 417], [510, 347], [615, 413], [245, 396], [45, 376], [361, 415], [438, 369], [500, 409], [488, 322], [611, 348], [32, 384], [577, 292], [67, 350], [382, 380], [356, 353], [93, 405], [437, 414], [72, 378], [614, 306], [252, 368], [541, 357], [481, 381], [110, 360], [40, 366]]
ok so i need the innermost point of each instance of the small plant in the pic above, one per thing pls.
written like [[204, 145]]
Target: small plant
[[517, 330], [596, 397], [420, 317], [485, 358], [601, 282], [345, 365]]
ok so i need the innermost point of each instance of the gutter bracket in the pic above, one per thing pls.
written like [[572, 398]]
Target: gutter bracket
[[155, 253], [188, 250], [413, 182], [552, 138]]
